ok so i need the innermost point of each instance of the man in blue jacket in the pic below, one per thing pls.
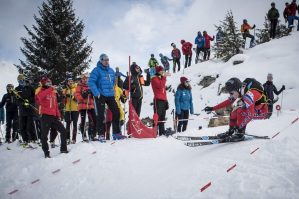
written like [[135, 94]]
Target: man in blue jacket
[[200, 43], [101, 83]]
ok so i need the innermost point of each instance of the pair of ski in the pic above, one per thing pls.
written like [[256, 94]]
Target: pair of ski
[[209, 140]]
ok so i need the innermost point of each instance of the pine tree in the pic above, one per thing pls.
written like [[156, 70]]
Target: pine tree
[[232, 40], [56, 45], [263, 35]]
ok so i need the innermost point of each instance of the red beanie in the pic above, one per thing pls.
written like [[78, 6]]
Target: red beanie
[[184, 79], [44, 80], [159, 69]]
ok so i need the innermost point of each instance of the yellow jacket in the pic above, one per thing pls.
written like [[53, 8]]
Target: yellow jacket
[[70, 100], [118, 93]]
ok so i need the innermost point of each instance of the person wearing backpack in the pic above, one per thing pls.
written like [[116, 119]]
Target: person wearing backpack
[[245, 27], [273, 16], [251, 104], [152, 63], [200, 44], [187, 51], [164, 60], [270, 89]]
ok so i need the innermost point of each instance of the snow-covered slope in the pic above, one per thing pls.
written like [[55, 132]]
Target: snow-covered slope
[[164, 167]]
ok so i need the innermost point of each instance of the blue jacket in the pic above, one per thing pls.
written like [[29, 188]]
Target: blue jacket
[[101, 81], [183, 100], [200, 41]]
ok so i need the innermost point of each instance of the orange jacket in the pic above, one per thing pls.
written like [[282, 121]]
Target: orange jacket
[[84, 103], [245, 27]]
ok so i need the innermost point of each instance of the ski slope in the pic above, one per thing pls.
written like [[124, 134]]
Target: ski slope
[[165, 167]]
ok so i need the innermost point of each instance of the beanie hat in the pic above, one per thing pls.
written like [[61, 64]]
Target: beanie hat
[[103, 57], [152, 55], [173, 45], [183, 41], [44, 80], [21, 77], [159, 69], [184, 79]]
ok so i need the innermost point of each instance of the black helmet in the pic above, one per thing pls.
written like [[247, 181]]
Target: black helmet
[[233, 84], [272, 4], [244, 20]]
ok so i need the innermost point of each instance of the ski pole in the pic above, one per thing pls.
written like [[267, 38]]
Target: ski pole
[[281, 101]]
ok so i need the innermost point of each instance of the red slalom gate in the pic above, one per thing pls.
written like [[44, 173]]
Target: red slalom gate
[[254, 150], [231, 168]]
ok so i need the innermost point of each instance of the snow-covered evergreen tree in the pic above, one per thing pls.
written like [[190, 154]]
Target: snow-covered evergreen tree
[[263, 35], [55, 45], [282, 30], [232, 41]]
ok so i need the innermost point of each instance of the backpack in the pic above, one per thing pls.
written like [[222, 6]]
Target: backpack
[[253, 84]]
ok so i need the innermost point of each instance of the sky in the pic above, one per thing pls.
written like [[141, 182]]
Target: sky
[[123, 28]]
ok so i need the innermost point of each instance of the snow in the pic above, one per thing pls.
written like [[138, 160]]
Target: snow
[[165, 167]]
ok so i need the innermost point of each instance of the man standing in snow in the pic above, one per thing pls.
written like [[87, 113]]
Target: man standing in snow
[[101, 83], [50, 115], [251, 104], [269, 89], [200, 44], [164, 60], [176, 57], [187, 51], [245, 27], [207, 46], [273, 16]]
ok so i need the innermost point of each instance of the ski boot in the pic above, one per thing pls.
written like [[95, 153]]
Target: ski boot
[[239, 135], [169, 132], [102, 139], [52, 145], [73, 142], [226, 134], [68, 141], [118, 136], [47, 154]]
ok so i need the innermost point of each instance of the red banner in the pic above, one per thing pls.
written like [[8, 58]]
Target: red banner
[[136, 128]]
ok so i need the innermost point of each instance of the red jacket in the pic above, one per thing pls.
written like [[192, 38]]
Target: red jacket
[[187, 48], [159, 87], [208, 40], [47, 100], [293, 8], [82, 102]]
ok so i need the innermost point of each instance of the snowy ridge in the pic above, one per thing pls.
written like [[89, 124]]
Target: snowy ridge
[[164, 167]]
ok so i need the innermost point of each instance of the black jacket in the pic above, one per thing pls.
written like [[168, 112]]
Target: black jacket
[[269, 89], [136, 86], [25, 93], [10, 103]]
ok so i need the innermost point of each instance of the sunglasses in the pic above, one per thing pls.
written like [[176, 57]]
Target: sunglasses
[[105, 59]]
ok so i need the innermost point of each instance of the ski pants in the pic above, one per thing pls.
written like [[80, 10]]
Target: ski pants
[[26, 128], [92, 123], [188, 59], [198, 50], [11, 123], [182, 126], [247, 34], [137, 103], [47, 122], [291, 21], [207, 52], [273, 25], [240, 117], [160, 107], [176, 61], [112, 105], [69, 117]]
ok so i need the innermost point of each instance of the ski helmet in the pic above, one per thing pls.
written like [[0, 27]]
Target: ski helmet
[[251, 83], [183, 41], [244, 20], [152, 55], [173, 45], [233, 84]]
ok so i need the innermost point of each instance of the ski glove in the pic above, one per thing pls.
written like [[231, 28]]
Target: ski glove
[[208, 109], [253, 27], [84, 94], [26, 103], [283, 87]]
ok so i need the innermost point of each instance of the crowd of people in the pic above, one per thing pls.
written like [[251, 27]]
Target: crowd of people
[[32, 113]]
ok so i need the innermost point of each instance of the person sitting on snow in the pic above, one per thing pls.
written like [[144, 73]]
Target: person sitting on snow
[[251, 105]]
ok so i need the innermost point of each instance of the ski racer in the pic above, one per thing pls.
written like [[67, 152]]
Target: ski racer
[[251, 104]]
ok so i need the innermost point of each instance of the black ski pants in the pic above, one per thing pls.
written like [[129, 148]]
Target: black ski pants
[[137, 103], [273, 25], [92, 123], [11, 123], [160, 107], [112, 105], [198, 50], [176, 61], [47, 122], [188, 59], [26, 128], [182, 126], [207, 52], [69, 117]]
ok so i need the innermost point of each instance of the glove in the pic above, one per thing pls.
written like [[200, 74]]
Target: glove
[[26, 103], [121, 122], [253, 27], [123, 99], [269, 101], [208, 109], [84, 94], [167, 105], [283, 87]]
